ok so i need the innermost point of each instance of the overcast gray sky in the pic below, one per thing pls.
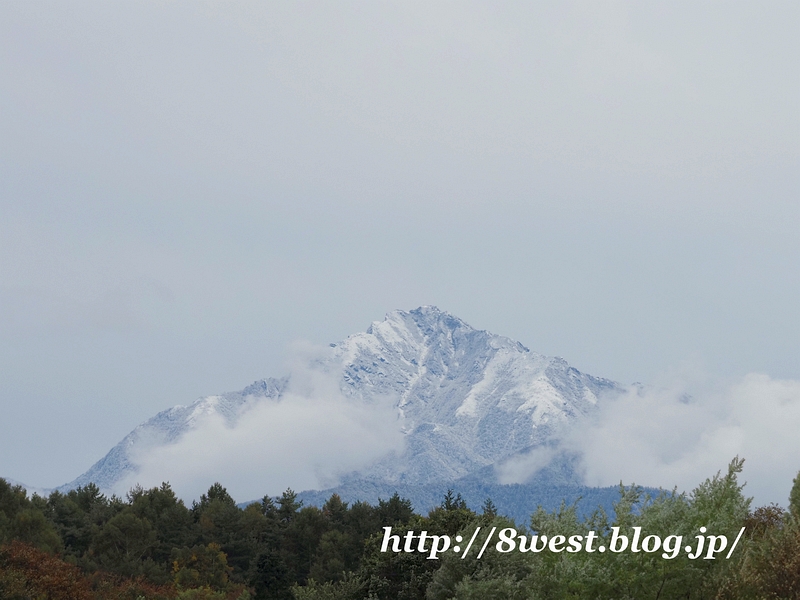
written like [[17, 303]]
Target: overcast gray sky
[[187, 188]]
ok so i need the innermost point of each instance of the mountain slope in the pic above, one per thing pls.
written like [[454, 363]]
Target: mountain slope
[[167, 427]]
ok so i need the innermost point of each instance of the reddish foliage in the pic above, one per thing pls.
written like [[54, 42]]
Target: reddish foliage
[[28, 572], [763, 520], [109, 587]]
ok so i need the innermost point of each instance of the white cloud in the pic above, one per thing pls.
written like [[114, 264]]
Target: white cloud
[[522, 467], [663, 437], [305, 440]]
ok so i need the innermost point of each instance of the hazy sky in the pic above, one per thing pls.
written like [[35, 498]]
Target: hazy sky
[[187, 188]]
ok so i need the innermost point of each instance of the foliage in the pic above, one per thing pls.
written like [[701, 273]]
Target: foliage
[[201, 567], [83, 545], [22, 520]]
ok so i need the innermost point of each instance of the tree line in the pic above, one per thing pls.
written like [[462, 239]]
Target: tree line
[[150, 545]]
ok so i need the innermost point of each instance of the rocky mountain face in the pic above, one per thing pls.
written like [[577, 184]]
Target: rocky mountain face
[[466, 399]]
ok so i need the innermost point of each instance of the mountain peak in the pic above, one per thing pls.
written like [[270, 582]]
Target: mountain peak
[[432, 327], [425, 318]]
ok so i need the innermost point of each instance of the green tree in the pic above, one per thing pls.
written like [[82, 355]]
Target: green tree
[[171, 519], [349, 588], [272, 579], [394, 511], [717, 504], [78, 517], [124, 545], [794, 498], [288, 506], [489, 509], [22, 519], [331, 557], [201, 567], [222, 522], [451, 515]]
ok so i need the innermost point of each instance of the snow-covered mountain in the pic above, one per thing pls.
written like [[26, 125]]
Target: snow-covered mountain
[[466, 399]]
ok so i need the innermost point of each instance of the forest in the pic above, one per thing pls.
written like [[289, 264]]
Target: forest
[[84, 545]]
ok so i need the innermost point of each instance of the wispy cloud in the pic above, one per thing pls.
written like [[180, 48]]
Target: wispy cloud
[[305, 440]]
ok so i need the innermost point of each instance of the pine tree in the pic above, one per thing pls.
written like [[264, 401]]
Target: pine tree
[[489, 509]]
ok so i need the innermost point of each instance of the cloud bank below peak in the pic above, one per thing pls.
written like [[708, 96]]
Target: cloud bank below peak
[[304, 440], [666, 437]]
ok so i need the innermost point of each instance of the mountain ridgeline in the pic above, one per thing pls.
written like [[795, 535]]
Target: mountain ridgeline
[[467, 400]]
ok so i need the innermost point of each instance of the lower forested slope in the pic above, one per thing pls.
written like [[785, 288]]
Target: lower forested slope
[[150, 545]]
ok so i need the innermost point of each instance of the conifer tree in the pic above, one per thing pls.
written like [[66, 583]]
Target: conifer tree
[[794, 498], [489, 509]]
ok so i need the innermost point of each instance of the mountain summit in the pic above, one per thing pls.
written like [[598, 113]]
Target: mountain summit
[[466, 400]]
